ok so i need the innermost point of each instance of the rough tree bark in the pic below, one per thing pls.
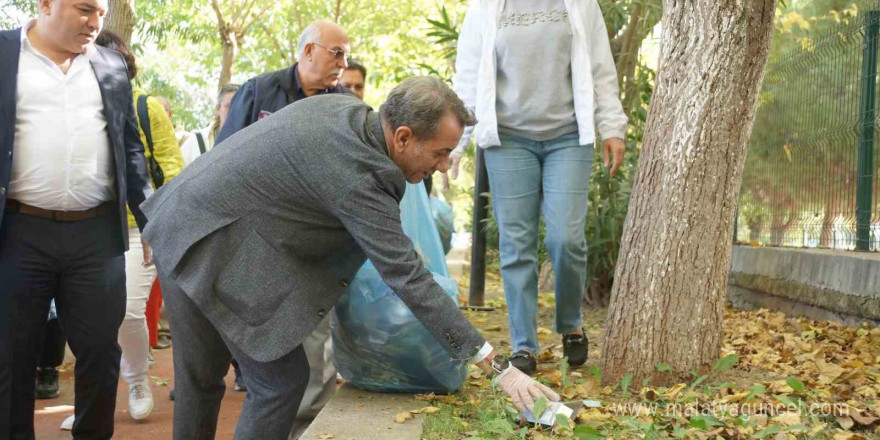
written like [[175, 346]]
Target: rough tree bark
[[670, 283], [120, 19]]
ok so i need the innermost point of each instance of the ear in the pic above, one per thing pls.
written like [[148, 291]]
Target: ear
[[402, 135], [45, 6], [307, 52]]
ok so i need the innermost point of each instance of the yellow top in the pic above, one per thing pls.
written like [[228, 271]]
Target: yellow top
[[164, 142]]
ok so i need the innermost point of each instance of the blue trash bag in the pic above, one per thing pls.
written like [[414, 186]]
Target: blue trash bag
[[445, 220], [378, 344]]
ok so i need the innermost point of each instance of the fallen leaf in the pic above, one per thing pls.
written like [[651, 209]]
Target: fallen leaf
[[828, 371], [402, 417], [493, 328], [788, 419], [159, 381], [325, 436], [845, 422], [546, 356], [673, 391], [863, 421], [426, 410]]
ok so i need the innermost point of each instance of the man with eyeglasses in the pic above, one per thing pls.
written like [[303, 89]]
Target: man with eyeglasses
[[322, 52]]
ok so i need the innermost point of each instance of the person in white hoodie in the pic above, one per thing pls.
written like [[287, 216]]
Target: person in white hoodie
[[541, 80]]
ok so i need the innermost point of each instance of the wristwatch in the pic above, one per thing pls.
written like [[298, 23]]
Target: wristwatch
[[499, 363]]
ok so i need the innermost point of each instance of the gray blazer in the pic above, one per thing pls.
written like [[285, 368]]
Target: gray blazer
[[264, 231]]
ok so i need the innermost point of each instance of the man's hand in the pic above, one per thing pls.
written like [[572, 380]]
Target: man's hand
[[148, 252], [613, 149], [523, 389], [454, 161]]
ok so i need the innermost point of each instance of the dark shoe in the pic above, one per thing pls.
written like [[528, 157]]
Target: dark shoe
[[47, 383], [171, 394], [524, 361], [163, 341], [574, 347]]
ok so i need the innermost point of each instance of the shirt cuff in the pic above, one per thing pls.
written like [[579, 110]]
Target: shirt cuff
[[483, 353]]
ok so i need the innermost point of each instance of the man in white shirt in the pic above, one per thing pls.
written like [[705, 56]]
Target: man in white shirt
[[70, 159]]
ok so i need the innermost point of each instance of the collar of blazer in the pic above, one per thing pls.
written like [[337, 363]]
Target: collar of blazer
[[106, 75]]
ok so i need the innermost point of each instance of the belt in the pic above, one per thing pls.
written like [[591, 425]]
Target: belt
[[60, 216]]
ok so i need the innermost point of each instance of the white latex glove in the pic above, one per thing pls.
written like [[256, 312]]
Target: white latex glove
[[523, 389], [454, 160]]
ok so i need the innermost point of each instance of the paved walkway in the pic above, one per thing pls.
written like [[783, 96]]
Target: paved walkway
[[50, 413]]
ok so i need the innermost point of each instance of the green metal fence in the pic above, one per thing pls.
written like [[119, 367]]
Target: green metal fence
[[811, 174]]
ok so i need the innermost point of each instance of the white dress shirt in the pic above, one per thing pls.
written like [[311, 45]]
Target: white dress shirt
[[63, 159]]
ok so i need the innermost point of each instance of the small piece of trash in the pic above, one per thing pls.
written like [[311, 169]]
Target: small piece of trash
[[593, 403]]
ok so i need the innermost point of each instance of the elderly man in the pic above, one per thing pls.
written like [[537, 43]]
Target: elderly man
[[321, 53], [256, 241], [70, 159]]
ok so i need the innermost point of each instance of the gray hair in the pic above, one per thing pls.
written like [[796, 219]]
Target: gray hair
[[228, 88], [420, 102], [312, 34]]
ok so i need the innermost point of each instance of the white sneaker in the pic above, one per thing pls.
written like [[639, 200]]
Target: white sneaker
[[67, 424], [140, 400]]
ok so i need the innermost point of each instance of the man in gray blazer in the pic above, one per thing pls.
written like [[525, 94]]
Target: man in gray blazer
[[256, 241]]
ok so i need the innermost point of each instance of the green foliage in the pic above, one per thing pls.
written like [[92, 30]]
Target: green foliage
[[799, 178], [795, 384], [725, 363]]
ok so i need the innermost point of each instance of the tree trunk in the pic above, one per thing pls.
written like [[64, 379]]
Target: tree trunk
[[120, 19], [229, 42], [667, 302]]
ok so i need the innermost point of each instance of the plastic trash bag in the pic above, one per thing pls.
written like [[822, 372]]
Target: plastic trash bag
[[378, 344], [445, 220]]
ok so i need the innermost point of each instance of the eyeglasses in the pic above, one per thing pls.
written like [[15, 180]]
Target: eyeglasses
[[337, 53]]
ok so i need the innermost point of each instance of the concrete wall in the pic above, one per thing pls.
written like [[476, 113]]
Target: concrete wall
[[823, 284]]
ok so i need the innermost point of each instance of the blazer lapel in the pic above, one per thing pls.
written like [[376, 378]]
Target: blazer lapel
[[103, 74], [115, 123]]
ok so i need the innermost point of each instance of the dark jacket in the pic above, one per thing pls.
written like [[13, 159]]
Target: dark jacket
[[132, 181], [263, 95], [265, 231]]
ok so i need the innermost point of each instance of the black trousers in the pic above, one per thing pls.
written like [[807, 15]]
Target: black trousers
[[81, 265], [52, 354]]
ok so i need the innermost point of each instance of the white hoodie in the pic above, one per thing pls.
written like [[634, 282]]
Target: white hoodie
[[594, 77]]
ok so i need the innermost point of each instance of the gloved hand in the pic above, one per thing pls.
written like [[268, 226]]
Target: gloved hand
[[523, 389], [454, 161]]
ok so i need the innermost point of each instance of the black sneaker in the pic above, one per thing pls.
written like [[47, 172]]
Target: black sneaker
[[47, 383], [171, 394], [574, 347], [524, 361]]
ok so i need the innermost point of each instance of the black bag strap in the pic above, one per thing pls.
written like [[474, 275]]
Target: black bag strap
[[201, 140], [144, 119], [156, 173]]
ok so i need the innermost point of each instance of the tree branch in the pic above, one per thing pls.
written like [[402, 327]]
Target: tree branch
[[221, 23], [275, 41], [338, 11]]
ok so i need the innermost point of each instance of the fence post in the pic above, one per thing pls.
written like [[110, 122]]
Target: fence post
[[866, 132], [478, 251]]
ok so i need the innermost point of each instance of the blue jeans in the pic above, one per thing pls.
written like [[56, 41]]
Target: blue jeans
[[554, 175]]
